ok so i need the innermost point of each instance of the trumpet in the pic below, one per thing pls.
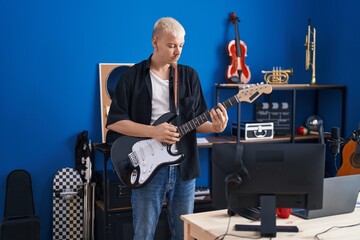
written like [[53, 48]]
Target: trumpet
[[277, 76], [310, 45]]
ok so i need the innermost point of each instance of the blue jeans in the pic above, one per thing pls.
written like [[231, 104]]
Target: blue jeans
[[147, 202]]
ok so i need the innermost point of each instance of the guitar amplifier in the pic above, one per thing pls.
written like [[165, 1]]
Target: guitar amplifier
[[118, 195]]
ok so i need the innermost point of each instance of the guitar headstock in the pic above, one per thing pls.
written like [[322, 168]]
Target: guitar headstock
[[251, 92], [356, 135]]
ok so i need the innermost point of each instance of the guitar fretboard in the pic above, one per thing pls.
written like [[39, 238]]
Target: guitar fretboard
[[248, 94], [202, 118]]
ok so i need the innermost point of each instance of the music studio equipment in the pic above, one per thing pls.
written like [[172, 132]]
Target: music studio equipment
[[321, 134], [121, 226], [20, 220], [237, 71], [254, 131], [351, 155], [310, 54], [336, 141], [84, 158], [277, 75], [118, 195], [89, 202]]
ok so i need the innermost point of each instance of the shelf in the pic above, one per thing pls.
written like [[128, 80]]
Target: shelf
[[100, 204], [232, 139], [293, 89], [286, 86]]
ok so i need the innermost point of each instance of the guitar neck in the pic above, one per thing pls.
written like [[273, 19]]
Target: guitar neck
[[247, 94], [202, 118]]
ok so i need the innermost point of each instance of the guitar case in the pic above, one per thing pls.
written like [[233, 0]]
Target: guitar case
[[20, 221]]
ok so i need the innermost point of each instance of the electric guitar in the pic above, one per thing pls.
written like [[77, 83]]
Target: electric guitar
[[136, 160], [351, 156]]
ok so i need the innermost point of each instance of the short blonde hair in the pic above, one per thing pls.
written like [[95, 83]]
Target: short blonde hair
[[168, 25]]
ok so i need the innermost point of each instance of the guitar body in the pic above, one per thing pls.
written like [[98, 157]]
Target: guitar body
[[350, 159], [136, 160]]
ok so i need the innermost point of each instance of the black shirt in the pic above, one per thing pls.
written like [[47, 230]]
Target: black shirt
[[132, 101]]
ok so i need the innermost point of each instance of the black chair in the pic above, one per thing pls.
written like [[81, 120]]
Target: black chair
[[20, 221]]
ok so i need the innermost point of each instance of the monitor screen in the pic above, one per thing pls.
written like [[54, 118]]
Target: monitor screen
[[246, 174]]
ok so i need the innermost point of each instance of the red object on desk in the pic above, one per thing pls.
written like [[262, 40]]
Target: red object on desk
[[283, 212], [303, 130]]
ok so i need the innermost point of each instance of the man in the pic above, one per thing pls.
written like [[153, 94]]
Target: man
[[144, 93]]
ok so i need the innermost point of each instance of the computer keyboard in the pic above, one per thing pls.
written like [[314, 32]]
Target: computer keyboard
[[201, 192]]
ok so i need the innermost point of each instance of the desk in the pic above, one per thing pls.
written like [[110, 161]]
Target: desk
[[209, 225]]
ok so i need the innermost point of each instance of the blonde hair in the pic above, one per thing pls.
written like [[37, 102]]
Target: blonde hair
[[168, 25]]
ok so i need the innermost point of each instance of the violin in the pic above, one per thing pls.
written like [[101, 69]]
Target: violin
[[237, 71]]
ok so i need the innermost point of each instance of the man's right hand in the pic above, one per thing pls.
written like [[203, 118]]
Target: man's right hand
[[166, 133]]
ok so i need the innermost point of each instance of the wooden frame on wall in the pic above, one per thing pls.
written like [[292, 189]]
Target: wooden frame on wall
[[109, 75]]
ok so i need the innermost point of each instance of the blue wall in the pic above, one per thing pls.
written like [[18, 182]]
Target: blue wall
[[50, 50]]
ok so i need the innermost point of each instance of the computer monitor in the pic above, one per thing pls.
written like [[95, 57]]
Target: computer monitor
[[269, 176]]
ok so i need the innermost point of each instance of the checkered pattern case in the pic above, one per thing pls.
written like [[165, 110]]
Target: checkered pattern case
[[67, 205]]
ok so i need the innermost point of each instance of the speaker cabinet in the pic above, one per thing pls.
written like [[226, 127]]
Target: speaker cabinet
[[121, 226], [119, 196]]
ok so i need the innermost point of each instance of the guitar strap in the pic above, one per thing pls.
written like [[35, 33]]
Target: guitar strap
[[176, 95]]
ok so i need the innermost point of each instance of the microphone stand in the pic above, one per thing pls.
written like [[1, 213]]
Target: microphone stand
[[321, 134], [335, 143]]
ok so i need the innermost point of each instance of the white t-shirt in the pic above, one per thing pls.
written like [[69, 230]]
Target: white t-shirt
[[160, 97]]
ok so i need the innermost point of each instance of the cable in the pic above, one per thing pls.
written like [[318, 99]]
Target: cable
[[221, 237], [353, 225]]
